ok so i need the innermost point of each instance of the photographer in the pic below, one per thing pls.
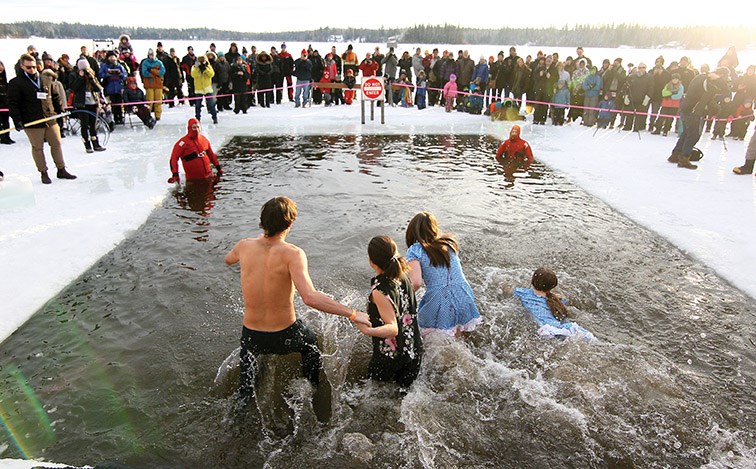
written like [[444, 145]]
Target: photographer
[[203, 74], [113, 75], [86, 97]]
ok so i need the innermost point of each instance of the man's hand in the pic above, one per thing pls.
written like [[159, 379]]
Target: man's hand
[[362, 319], [174, 178], [219, 170]]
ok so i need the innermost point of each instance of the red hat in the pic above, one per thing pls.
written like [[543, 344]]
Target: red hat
[[304, 51]]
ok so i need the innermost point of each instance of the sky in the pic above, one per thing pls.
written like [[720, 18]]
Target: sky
[[294, 15]]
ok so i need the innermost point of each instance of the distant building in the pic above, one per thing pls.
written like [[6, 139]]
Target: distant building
[[335, 38]]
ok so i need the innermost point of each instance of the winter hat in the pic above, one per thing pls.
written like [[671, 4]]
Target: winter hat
[[676, 76], [723, 72], [304, 51], [452, 77], [64, 57], [283, 45], [514, 134], [131, 81], [221, 54], [150, 52], [110, 54], [349, 47], [46, 56], [82, 64], [160, 44]]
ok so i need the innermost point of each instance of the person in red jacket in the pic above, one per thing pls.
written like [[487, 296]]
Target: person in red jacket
[[195, 153], [515, 149]]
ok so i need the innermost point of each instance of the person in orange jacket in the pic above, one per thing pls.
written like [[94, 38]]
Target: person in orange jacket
[[195, 153], [515, 149]]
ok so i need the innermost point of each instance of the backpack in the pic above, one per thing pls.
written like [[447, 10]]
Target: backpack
[[696, 154]]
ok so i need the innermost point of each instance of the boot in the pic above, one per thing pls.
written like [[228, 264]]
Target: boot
[[96, 145], [684, 162], [62, 174], [45, 178], [747, 168], [88, 146], [674, 157], [6, 140]]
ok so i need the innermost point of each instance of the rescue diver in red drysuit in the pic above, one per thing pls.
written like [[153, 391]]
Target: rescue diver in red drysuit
[[515, 149], [195, 153]]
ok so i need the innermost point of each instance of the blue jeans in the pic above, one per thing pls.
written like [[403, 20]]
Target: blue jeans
[[210, 99], [690, 134], [303, 86]]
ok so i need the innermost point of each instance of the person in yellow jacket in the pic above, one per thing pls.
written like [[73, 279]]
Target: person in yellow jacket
[[153, 71], [203, 73]]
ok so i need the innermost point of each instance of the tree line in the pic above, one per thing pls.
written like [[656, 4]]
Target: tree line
[[639, 36]]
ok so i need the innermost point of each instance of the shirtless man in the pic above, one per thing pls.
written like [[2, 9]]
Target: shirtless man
[[270, 270]]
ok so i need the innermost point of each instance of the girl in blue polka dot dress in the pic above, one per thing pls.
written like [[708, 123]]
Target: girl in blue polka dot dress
[[448, 304]]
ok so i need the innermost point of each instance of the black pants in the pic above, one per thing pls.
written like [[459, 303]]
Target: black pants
[[295, 338], [116, 99], [88, 122]]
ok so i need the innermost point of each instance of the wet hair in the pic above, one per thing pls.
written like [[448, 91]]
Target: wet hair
[[383, 252], [544, 279], [423, 229], [277, 215]]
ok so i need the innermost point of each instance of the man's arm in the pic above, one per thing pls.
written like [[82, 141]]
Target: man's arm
[[232, 257], [303, 283]]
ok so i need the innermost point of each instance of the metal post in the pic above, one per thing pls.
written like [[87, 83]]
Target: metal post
[[383, 114], [372, 111], [362, 104]]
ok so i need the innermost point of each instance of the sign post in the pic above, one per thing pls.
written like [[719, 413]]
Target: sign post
[[372, 90]]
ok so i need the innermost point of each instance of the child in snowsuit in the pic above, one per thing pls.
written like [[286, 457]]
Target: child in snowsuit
[[350, 82], [605, 116], [450, 92], [560, 99], [743, 117], [421, 90], [725, 114]]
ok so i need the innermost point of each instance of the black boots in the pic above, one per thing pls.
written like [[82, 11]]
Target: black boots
[[62, 174], [96, 145], [45, 178], [747, 168], [6, 140], [92, 145]]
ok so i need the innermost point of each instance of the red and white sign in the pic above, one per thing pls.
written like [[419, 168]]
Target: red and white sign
[[372, 88]]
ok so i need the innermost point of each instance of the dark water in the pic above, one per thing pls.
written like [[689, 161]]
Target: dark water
[[121, 366]]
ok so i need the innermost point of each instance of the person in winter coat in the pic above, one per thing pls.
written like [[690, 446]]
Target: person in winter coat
[[350, 60], [133, 99], [742, 118], [450, 92], [232, 54], [86, 98], [326, 92], [421, 90], [317, 73], [592, 89], [187, 62], [368, 67], [481, 71], [330, 66], [221, 80], [239, 78], [153, 71], [124, 44], [699, 101], [606, 114], [303, 72], [287, 69], [276, 74], [520, 81], [25, 105], [723, 117], [541, 90], [638, 90], [264, 79], [465, 69], [196, 155], [113, 76], [561, 100], [5, 138], [203, 73], [515, 149], [661, 77], [390, 65], [672, 94], [576, 88], [350, 81], [172, 80]]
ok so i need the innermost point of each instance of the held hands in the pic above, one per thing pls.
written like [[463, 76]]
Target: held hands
[[174, 178], [361, 320]]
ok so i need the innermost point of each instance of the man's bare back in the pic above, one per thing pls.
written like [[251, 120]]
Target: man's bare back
[[270, 270], [266, 283]]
